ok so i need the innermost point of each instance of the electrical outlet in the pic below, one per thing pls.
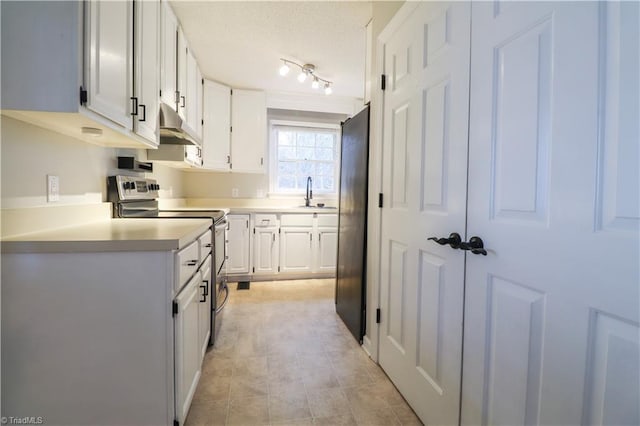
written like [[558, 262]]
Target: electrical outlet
[[234, 192], [53, 188]]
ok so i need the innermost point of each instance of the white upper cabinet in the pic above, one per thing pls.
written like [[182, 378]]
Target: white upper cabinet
[[249, 131], [147, 68], [193, 94], [182, 74], [182, 79], [168, 77], [109, 79], [75, 74], [216, 136]]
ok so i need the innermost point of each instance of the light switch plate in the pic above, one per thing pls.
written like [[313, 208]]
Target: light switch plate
[[53, 188], [234, 193]]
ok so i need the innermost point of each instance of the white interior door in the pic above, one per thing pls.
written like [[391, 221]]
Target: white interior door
[[551, 314], [424, 184]]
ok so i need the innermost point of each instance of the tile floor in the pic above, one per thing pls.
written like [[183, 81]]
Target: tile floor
[[284, 357]]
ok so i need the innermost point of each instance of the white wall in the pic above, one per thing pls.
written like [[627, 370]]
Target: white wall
[[29, 153]]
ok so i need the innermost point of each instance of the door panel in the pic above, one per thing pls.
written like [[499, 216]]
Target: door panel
[[110, 69], [424, 177], [265, 250], [295, 249], [147, 68], [552, 312]]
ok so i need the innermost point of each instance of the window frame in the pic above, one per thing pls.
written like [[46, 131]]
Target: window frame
[[273, 157]]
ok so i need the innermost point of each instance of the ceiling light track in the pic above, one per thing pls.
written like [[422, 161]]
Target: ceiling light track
[[306, 71]]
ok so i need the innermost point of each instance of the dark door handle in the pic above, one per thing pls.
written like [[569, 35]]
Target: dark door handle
[[144, 112], [454, 240], [475, 246]]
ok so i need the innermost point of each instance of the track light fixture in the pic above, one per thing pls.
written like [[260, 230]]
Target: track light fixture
[[306, 70]]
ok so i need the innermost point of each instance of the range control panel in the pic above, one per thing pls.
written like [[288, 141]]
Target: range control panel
[[133, 188]]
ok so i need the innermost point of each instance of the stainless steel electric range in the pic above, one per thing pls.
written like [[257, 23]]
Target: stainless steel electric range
[[135, 197]]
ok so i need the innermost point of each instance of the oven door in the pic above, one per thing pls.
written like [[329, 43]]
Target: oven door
[[219, 248]]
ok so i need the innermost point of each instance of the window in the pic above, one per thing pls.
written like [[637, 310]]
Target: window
[[301, 150]]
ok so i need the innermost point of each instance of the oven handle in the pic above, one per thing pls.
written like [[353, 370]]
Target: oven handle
[[226, 299]]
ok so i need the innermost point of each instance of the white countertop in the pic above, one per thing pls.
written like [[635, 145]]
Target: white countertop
[[111, 235]]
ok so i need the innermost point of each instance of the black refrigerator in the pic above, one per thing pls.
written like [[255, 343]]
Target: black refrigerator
[[352, 224]]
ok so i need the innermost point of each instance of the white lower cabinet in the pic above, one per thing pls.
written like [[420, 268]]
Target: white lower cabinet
[[187, 347], [238, 244], [282, 245], [326, 250], [265, 250], [204, 306], [129, 345], [296, 254]]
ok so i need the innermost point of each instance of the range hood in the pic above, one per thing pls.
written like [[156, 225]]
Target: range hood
[[173, 129]]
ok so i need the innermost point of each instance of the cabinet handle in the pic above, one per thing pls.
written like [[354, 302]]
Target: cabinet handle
[[274, 238], [319, 237], [310, 237], [228, 159], [183, 101], [192, 262], [208, 245], [205, 293], [135, 105], [144, 112]]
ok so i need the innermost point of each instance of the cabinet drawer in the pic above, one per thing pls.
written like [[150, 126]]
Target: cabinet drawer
[[328, 220], [188, 260], [296, 220], [265, 220], [205, 243]]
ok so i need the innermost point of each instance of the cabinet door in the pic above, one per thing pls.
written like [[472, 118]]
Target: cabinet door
[[182, 75], [147, 63], [193, 97], [249, 131], [204, 306], [326, 250], [187, 347], [296, 249], [110, 56], [238, 244], [216, 135], [265, 250], [168, 76]]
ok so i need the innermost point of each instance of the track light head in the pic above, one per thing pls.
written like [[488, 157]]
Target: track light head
[[284, 69], [306, 70]]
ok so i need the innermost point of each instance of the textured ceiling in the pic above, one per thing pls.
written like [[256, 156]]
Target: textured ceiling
[[239, 43]]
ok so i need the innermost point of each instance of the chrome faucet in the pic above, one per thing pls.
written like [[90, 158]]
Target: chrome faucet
[[307, 199]]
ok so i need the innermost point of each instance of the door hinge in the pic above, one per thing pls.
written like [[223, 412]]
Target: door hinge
[[278, 269], [378, 316], [202, 122], [230, 166], [83, 96], [383, 82], [254, 269], [174, 309], [261, 161], [176, 423], [254, 230], [232, 91], [230, 129], [203, 81], [160, 92], [380, 200], [279, 230], [247, 224]]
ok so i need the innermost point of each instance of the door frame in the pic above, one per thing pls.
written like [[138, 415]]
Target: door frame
[[371, 338]]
